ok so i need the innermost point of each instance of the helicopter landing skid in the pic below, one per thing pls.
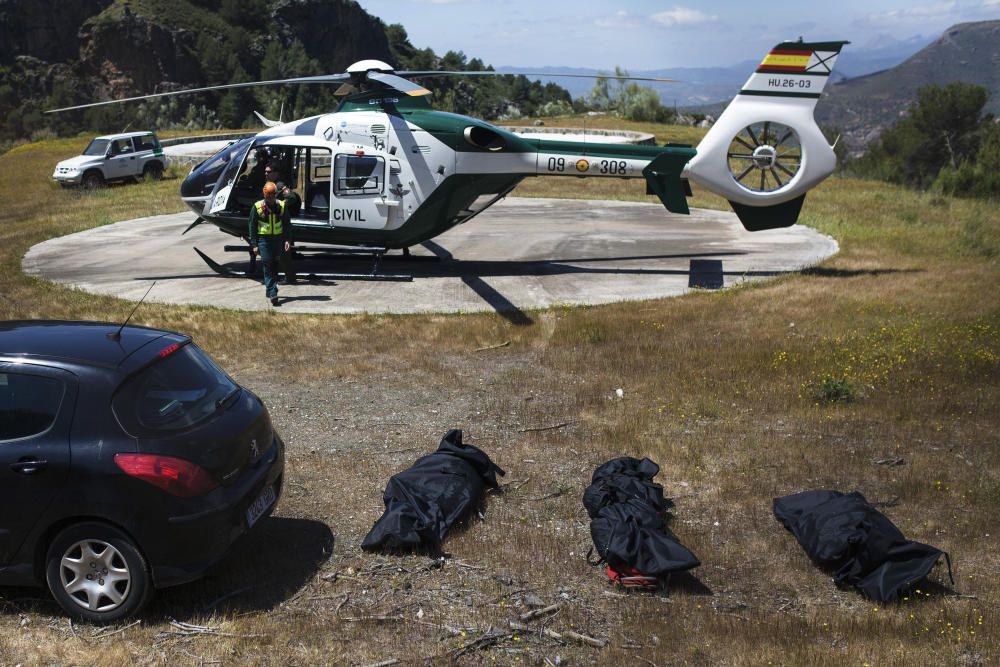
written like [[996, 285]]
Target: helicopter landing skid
[[373, 276], [310, 252]]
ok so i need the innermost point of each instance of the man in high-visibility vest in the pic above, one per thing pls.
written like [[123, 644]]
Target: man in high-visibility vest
[[270, 235]]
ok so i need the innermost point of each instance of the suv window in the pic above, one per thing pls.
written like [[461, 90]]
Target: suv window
[[28, 404], [146, 142], [173, 393], [122, 146]]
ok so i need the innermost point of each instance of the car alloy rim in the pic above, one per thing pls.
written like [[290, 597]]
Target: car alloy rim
[[95, 575]]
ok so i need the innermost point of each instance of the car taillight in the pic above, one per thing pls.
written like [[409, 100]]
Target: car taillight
[[170, 349], [175, 476]]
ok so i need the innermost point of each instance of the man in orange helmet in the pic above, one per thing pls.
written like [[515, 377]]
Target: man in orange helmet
[[270, 230]]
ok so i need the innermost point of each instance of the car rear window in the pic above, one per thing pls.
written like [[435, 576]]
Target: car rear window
[[28, 404], [176, 392]]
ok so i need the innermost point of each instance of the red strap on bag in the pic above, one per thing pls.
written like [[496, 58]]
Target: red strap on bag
[[631, 578]]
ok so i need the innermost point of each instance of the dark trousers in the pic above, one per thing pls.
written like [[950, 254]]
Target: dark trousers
[[271, 248]]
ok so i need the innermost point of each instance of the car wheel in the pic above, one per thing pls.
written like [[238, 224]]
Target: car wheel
[[92, 179], [96, 573], [153, 171]]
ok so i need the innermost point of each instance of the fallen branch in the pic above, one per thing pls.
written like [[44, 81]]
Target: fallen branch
[[897, 461], [113, 632], [591, 641], [535, 429], [561, 636], [385, 663], [468, 566], [400, 451], [370, 619], [514, 485], [493, 347], [535, 613], [488, 639], [189, 629], [551, 634], [554, 494]]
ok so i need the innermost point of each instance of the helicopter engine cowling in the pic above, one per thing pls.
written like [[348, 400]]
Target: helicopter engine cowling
[[766, 150]]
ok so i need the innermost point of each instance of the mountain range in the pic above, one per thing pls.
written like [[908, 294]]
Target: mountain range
[[872, 87], [862, 107], [708, 85]]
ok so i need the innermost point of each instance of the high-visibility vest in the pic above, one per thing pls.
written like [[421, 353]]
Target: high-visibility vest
[[270, 224]]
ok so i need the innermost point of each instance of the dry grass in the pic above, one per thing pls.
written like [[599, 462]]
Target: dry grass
[[725, 390]]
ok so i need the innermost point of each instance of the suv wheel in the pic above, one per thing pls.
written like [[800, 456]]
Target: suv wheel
[[92, 179], [96, 573], [153, 171]]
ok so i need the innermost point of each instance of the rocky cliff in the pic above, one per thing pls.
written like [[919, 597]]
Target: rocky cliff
[[64, 52], [44, 29], [335, 34]]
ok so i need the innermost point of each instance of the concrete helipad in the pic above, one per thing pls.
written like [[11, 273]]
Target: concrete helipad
[[519, 254]]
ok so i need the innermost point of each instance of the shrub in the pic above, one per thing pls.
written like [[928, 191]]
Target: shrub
[[834, 390]]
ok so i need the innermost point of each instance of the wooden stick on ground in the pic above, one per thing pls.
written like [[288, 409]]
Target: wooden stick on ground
[[535, 613], [493, 347], [535, 429], [385, 663]]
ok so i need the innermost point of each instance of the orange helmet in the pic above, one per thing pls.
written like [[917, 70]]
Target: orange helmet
[[270, 188]]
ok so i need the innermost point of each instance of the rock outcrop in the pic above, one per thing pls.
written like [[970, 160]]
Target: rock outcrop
[[44, 29]]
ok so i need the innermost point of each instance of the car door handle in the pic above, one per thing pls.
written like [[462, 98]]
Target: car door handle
[[29, 466]]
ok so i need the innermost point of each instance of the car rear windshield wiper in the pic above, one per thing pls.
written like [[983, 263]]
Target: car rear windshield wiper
[[220, 403]]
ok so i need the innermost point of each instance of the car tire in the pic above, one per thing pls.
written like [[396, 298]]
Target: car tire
[[92, 180], [152, 171], [96, 573]]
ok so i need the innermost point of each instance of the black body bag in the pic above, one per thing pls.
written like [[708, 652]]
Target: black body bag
[[866, 551], [628, 521], [425, 500]]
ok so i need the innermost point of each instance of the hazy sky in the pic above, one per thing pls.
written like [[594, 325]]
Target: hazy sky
[[648, 34]]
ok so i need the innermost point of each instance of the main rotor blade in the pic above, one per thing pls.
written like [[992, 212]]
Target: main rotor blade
[[398, 83], [415, 73], [322, 78]]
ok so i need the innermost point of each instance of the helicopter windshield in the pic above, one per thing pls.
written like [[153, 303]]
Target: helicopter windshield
[[203, 178], [97, 147]]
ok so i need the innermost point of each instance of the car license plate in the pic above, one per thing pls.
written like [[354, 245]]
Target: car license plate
[[259, 506]]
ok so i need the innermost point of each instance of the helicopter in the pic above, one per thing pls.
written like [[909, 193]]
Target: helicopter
[[386, 171]]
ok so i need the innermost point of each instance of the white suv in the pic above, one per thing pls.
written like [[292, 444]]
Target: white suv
[[114, 157]]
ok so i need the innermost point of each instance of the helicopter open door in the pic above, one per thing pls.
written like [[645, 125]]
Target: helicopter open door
[[358, 196], [222, 168]]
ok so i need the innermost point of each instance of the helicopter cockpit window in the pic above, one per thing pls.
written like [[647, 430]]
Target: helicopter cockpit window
[[358, 174], [204, 176]]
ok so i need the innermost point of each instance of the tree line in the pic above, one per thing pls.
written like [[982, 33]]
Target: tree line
[[946, 143]]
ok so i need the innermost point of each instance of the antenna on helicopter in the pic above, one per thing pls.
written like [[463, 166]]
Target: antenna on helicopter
[[118, 334]]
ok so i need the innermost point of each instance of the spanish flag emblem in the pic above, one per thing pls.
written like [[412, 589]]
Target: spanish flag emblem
[[785, 61]]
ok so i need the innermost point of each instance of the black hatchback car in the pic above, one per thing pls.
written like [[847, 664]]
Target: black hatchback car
[[128, 461]]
